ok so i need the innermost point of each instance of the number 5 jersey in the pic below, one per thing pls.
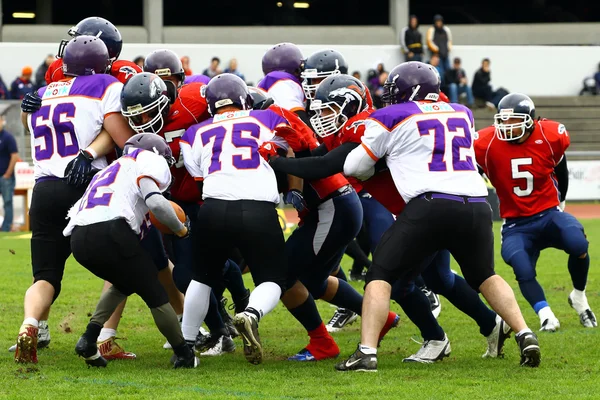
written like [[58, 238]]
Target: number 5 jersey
[[523, 174], [70, 118]]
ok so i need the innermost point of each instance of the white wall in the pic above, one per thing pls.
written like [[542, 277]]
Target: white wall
[[535, 70]]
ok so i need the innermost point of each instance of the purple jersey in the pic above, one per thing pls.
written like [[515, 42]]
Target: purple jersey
[[196, 78]]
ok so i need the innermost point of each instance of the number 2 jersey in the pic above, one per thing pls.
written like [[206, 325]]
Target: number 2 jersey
[[428, 148], [523, 174], [115, 193], [70, 118], [223, 152]]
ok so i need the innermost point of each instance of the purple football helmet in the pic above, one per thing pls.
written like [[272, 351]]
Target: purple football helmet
[[285, 57], [150, 142], [164, 63], [411, 81], [85, 55], [227, 90]]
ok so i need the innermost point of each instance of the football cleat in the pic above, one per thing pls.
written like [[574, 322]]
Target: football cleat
[[303, 355], [530, 349], [550, 324], [43, 337], [359, 361], [227, 319], [497, 338], [247, 325], [111, 350], [392, 322], [340, 319], [90, 353], [434, 300], [26, 350], [586, 316], [431, 351], [189, 360], [209, 346]]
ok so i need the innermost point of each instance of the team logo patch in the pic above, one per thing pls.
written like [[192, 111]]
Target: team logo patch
[[434, 107], [561, 129], [155, 88], [539, 141], [128, 71], [347, 93], [355, 125], [58, 89]]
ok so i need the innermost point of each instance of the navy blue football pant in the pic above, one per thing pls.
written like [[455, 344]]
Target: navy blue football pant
[[376, 218], [524, 238], [315, 248]]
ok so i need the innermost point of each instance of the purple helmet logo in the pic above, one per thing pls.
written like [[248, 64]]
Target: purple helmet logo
[[227, 90], [85, 55], [285, 57], [411, 81]]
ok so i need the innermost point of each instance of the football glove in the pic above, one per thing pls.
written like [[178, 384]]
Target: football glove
[[293, 138], [31, 102], [187, 225], [295, 198], [267, 150], [79, 171], [562, 205]]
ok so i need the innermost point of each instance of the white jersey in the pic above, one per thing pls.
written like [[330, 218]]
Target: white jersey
[[115, 193], [285, 89], [223, 152], [428, 148], [71, 116]]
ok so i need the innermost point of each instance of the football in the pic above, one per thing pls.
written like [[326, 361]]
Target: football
[[162, 227]]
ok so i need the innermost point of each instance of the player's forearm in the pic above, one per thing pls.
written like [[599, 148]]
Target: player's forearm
[[359, 164], [311, 168], [562, 177], [295, 182], [159, 206], [102, 145]]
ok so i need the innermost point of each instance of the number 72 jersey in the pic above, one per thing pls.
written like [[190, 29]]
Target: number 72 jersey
[[523, 174]]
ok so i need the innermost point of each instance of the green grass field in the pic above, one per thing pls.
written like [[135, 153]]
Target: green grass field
[[570, 366]]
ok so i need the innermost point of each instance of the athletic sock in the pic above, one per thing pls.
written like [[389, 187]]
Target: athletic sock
[[545, 313], [578, 268], [347, 297], [308, 315], [31, 321], [264, 298], [418, 309], [195, 308], [526, 330], [579, 301], [367, 350], [106, 333], [234, 281], [92, 331], [321, 344], [213, 319]]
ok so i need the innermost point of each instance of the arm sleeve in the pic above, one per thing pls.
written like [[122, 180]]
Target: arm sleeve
[[319, 151], [160, 207], [111, 101], [359, 163], [311, 168], [562, 176]]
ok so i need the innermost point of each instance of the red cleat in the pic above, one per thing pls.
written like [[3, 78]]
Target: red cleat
[[26, 351], [393, 320], [111, 350]]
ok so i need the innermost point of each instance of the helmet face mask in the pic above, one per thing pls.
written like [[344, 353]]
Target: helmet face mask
[[328, 118], [512, 131], [145, 103], [319, 66], [154, 114]]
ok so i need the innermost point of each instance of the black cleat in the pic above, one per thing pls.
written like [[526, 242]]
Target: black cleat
[[189, 360], [227, 319], [359, 361], [89, 352], [340, 319], [530, 349]]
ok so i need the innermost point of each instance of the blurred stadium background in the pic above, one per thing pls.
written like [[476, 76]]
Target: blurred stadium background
[[548, 49]]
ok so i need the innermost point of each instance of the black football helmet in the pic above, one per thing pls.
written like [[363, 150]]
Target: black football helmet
[[337, 99], [260, 98], [145, 102], [320, 65], [150, 142], [514, 106], [102, 29]]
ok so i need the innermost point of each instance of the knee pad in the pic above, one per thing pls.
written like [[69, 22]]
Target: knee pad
[[574, 241]]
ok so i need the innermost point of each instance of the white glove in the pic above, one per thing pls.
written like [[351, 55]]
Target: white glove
[[562, 205]]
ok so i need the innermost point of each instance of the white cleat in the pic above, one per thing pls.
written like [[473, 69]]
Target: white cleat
[[223, 346], [497, 338], [586, 316], [431, 351], [550, 324]]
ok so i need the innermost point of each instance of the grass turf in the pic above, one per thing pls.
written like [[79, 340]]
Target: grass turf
[[570, 358]]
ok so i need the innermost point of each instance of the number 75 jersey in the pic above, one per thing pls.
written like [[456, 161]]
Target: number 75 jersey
[[428, 148], [523, 174], [223, 152]]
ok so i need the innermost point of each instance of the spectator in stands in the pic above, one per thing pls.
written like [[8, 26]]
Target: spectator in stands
[[185, 62], [139, 61], [40, 72], [455, 80], [4, 93], [411, 40], [435, 61], [8, 158], [22, 84], [356, 74], [377, 91], [213, 68], [439, 41], [232, 69], [482, 88]]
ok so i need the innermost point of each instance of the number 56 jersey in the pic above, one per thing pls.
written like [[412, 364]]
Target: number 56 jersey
[[223, 152], [428, 148], [70, 118], [115, 193], [523, 174]]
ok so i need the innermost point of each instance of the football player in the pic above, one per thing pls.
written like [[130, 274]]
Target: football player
[[318, 66], [240, 195], [189, 107], [525, 160], [72, 114], [106, 226], [341, 110], [445, 204]]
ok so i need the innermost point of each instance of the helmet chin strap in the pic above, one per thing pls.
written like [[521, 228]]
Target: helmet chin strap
[[414, 93]]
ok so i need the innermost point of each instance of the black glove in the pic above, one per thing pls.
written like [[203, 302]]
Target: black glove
[[31, 102], [296, 199], [79, 171], [188, 225]]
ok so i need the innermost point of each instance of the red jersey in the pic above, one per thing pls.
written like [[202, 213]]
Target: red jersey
[[523, 174], [189, 108], [120, 69], [323, 187]]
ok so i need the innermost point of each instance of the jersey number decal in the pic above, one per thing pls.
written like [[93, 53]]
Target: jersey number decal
[[438, 163], [102, 179], [59, 137], [237, 160], [515, 163], [169, 136]]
